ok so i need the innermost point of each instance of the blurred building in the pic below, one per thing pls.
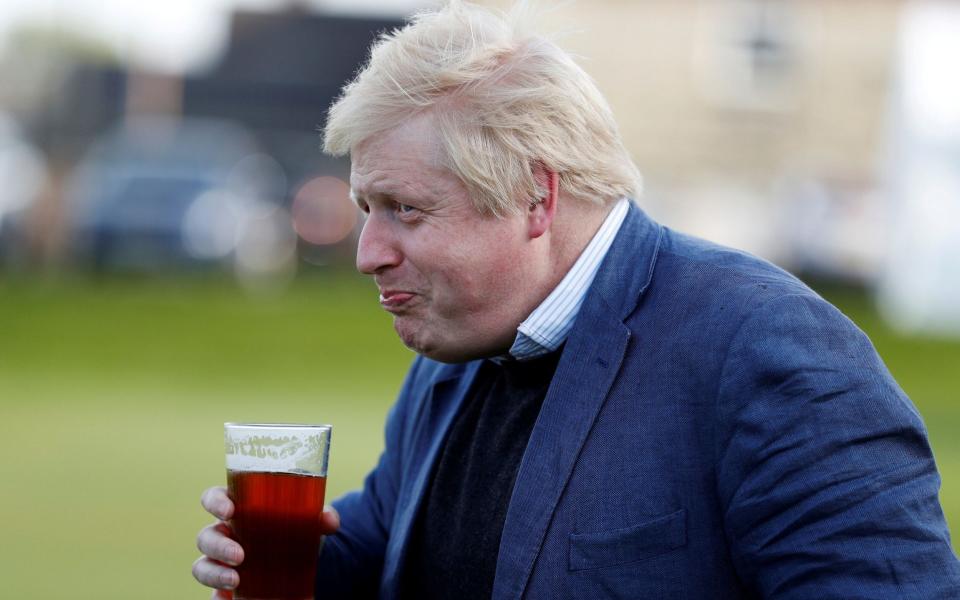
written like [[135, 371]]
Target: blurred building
[[277, 77], [821, 134], [739, 111], [279, 73]]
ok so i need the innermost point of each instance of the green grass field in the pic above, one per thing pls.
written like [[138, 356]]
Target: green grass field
[[113, 394]]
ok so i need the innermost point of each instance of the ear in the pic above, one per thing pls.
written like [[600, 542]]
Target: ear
[[540, 214]]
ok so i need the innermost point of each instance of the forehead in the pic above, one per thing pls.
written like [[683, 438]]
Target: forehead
[[406, 159], [413, 147]]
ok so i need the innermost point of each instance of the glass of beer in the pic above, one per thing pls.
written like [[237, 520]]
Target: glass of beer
[[276, 477]]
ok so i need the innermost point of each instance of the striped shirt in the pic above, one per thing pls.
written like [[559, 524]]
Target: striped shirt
[[550, 323]]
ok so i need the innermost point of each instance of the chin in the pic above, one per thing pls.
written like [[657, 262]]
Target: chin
[[451, 353], [412, 336], [432, 349], [418, 337], [446, 356]]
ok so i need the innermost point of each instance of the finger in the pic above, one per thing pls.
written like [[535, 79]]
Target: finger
[[217, 503], [215, 575], [214, 541], [330, 520]]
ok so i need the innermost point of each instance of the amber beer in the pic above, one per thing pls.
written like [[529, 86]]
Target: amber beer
[[276, 477]]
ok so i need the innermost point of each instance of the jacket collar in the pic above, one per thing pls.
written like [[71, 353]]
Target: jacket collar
[[627, 269]]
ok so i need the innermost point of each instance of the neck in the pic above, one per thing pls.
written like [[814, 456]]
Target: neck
[[574, 225], [553, 255]]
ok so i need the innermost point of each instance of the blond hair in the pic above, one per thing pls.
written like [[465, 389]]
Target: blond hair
[[505, 99]]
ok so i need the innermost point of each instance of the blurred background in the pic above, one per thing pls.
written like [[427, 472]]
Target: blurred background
[[176, 252]]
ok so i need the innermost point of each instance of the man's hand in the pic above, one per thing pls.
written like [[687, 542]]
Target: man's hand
[[221, 552]]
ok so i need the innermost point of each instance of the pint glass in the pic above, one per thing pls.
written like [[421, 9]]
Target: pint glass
[[276, 477]]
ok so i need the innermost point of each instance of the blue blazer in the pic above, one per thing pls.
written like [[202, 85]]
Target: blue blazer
[[714, 430]]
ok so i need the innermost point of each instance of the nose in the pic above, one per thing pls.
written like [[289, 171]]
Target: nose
[[377, 249]]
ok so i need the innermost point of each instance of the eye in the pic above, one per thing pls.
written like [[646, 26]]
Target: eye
[[406, 211]]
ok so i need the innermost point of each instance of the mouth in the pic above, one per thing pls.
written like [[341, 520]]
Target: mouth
[[395, 300]]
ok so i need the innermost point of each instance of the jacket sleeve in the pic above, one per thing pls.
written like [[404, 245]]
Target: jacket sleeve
[[826, 478], [351, 561]]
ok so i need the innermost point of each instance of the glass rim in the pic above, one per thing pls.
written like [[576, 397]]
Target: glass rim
[[236, 425]]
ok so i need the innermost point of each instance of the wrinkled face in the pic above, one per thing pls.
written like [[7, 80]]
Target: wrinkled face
[[452, 278]]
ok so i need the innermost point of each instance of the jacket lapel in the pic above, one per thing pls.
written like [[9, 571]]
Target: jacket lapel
[[442, 403], [588, 367]]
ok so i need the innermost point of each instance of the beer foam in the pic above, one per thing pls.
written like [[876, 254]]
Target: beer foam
[[277, 448]]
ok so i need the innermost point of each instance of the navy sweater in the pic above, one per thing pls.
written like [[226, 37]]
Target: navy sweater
[[456, 536]]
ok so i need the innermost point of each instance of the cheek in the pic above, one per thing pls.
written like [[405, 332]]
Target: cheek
[[474, 270], [482, 282]]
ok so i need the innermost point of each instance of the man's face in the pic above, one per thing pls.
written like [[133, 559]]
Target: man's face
[[452, 278]]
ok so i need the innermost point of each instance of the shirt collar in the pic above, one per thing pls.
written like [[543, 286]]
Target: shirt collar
[[549, 324]]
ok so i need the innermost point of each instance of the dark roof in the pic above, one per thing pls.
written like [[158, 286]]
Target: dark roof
[[297, 47]]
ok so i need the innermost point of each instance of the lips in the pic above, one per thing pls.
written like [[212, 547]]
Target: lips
[[395, 299]]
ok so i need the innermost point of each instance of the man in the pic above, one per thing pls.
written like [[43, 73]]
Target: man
[[601, 407]]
